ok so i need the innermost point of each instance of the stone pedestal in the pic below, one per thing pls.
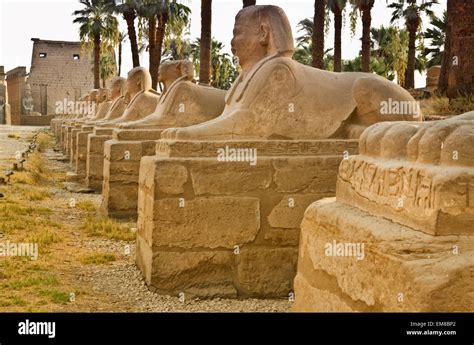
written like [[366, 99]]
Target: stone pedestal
[[81, 150], [209, 227], [400, 234], [95, 157], [122, 157], [402, 270]]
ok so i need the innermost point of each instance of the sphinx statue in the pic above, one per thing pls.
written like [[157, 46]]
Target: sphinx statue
[[141, 99], [118, 90], [276, 97], [103, 104], [407, 197], [183, 103]]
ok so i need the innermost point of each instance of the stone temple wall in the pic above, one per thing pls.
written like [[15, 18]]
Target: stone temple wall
[[16, 83], [59, 70]]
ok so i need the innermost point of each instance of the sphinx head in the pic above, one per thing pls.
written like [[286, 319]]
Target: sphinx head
[[261, 31], [173, 69], [118, 87], [102, 95], [138, 79], [93, 95]]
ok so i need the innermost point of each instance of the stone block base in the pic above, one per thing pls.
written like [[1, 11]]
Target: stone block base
[[211, 228], [122, 157], [397, 269], [95, 158]]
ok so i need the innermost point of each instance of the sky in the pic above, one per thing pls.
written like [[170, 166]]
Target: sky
[[21, 20]]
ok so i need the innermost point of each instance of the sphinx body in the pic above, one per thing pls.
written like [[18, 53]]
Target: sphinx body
[[276, 97], [183, 103]]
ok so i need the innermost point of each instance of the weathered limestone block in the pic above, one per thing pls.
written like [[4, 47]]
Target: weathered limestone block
[[121, 166], [81, 150], [402, 269], [266, 272], [194, 273], [429, 187], [215, 222], [189, 201], [399, 235]]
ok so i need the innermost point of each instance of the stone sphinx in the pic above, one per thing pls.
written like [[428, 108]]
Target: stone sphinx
[[103, 104], [407, 198], [201, 198], [276, 97], [114, 110], [77, 122], [182, 103], [140, 98], [141, 101]]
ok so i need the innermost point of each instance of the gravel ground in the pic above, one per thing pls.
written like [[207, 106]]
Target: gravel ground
[[120, 281]]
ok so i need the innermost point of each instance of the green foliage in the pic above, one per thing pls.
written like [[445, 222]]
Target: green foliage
[[437, 36], [223, 70]]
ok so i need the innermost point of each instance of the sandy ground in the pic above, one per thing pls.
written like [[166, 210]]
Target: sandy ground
[[62, 279]]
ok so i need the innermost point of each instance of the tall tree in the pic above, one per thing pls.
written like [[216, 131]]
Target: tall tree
[[437, 35], [365, 8], [97, 26], [206, 42], [318, 33], [411, 12], [337, 6], [121, 40], [457, 72], [249, 3], [128, 9]]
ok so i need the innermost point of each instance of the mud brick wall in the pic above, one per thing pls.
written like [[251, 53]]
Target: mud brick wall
[[59, 70]]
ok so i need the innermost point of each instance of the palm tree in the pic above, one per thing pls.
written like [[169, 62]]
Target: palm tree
[[162, 16], [206, 41], [223, 70], [121, 40], [318, 33], [437, 35], [128, 9], [97, 26], [249, 3], [108, 65], [411, 12], [364, 7], [337, 6], [306, 27], [457, 71]]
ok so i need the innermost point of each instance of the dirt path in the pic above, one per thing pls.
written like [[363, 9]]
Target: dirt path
[[85, 262]]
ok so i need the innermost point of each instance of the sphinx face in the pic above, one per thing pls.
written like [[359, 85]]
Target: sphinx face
[[134, 83], [116, 90], [246, 41], [169, 72]]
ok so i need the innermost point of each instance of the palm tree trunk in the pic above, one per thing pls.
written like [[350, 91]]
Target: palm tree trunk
[[457, 73], [160, 35], [132, 34], [366, 23], [120, 59], [249, 3], [337, 39], [97, 61], [410, 72], [318, 34], [206, 42], [152, 51]]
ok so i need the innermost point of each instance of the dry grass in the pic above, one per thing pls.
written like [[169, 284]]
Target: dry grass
[[442, 106], [97, 259], [86, 205], [106, 227]]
